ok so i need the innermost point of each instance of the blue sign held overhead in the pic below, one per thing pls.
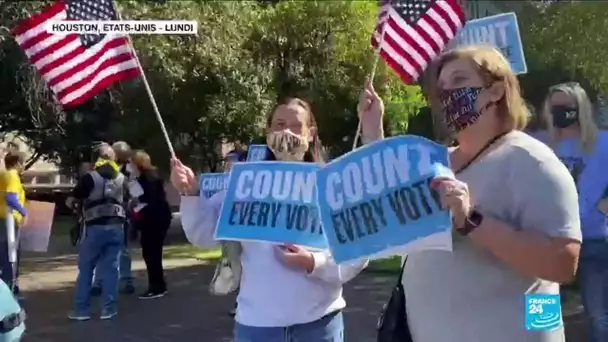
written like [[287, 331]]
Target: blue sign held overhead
[[272, 202], [500, 31], [257, 152], [210, 183], [378, 197]]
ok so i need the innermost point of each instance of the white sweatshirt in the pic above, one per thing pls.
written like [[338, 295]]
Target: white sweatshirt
[[271, 294]]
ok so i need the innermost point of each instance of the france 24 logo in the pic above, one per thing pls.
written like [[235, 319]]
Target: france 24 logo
[[543, 312]]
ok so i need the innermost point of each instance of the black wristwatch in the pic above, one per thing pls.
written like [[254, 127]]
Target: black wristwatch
[[473, 221]]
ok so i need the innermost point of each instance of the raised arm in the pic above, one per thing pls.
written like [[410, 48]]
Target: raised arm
[[371, 112], [199, 218]]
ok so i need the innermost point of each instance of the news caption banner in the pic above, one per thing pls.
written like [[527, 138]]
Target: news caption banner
[[272, 202], [377, 201], [543, 312], [500, 31], [257, 152], [63, 27]]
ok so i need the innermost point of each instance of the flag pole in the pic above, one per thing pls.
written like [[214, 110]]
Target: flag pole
[[371, 79], [159, 117]]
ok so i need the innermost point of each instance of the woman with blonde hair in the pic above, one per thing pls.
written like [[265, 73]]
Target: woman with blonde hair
[[514, 208], [152, 220], [573, 135]]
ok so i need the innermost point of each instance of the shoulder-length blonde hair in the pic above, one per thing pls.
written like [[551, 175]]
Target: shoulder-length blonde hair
[[585, 114], [142, 161], [492, 66]]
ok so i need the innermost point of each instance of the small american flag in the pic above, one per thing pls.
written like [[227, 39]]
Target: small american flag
[[76, 66], [416, 31]]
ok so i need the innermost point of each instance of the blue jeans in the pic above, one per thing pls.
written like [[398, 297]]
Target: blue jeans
[[593, 282], [99, 248], [329, 328], [124, 264]]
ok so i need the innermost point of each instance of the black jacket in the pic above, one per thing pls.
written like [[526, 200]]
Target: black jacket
[[157, 211]]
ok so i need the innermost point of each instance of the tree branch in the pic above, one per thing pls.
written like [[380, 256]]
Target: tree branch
[[32, 160]]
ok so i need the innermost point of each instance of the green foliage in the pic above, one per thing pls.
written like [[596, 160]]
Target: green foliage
[[564, 42], [216, 87]]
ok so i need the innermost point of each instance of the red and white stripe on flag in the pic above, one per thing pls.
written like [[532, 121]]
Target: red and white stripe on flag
[[73, 71], [416, 31]]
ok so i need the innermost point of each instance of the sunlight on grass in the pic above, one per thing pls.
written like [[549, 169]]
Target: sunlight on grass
[[188, 251], [389, 265]]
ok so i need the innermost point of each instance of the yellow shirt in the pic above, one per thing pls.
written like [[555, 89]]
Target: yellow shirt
[[10, 182]]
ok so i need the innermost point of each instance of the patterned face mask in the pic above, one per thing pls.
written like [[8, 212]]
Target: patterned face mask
[[459, 106], [286, 145]]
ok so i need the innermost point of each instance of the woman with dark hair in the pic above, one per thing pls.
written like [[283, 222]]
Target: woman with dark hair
[[286, 293], [152, 219]]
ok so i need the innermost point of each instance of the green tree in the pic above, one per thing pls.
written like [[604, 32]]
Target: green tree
[[564, 41], [320, 51], [206, 86]]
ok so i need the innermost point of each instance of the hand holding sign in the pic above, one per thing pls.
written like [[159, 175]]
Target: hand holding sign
[[377, 200], [454, 196], [182, 176], [371, 111], [297, 257]]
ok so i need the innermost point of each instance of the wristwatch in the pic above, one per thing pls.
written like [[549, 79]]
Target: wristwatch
[[473, 221]]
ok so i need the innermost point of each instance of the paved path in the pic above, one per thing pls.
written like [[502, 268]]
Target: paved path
[[187, 314]]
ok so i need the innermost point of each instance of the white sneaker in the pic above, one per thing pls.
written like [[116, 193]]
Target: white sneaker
[[108, 315], [79, 318]]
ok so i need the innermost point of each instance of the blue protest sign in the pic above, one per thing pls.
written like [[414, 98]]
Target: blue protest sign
[[210, 183], [378, 197], [500, 31], [272, 202], [256, 152]]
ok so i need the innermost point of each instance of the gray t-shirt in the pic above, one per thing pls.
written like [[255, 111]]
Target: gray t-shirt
[[469, 295]]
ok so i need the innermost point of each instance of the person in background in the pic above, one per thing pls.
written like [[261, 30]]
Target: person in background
[[573, 135], [102, 192], [152, 221], [123, 153], [76, 206], [286, 293], [236, 155], [12, 214]]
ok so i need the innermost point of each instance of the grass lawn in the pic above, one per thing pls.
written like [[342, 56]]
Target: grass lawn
[[63, 224], [388, 265]]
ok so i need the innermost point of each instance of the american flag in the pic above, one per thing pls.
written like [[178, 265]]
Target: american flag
[[76, 66], [416, 31]]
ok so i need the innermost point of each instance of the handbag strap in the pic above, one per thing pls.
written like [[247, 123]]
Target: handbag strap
[[401, 272]]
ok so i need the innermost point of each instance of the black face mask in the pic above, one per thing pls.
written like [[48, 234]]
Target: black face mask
[[564, 116]]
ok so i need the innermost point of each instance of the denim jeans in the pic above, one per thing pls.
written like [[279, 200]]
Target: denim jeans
[[330, 328], [124, 264], [593, 282], [99, 249]]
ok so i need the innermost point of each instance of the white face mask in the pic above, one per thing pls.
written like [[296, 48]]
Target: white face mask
[[286, 145]]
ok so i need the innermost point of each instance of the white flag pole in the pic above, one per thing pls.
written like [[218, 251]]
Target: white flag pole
[[159, 118], [371, 79]]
